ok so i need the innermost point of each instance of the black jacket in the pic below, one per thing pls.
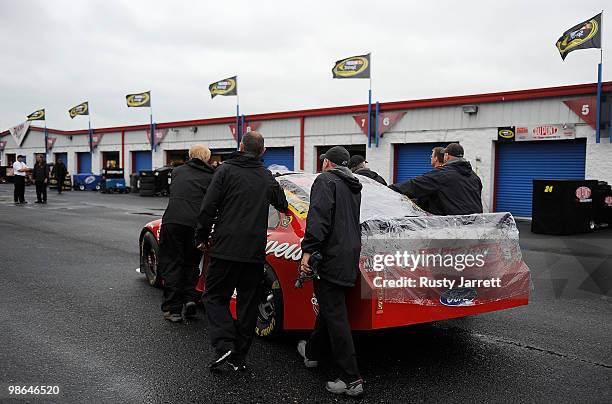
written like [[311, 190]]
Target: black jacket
[[366, 172], [60, 171], [187, 189], [240, 196], [453, 189], [40, 171], [332, 225]]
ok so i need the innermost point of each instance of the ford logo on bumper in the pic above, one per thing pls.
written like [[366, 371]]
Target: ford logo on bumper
[[458, 297]]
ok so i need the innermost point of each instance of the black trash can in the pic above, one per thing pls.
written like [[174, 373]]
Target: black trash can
[[147, 183], [563, 206], [602, 198]]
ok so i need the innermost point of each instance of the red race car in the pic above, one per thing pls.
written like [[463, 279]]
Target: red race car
[[415, 267]]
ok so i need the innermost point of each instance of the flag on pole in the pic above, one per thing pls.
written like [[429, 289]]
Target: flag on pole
[[227, 86], [139, 100], [585, 35], [354, 67], [37, 115], [81, 109]]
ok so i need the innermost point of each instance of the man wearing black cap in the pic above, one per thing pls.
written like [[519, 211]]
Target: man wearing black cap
[[332, 229], [358, 165], [453, 189]]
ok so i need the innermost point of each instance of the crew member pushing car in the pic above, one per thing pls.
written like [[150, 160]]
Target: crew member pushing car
[[179, 256], [332, 229], [453, 189], [358, 165], [238, 202]]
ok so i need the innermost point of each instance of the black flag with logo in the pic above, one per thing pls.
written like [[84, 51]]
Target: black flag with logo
[[585, 35], [227, 86], [355, 67], [81, 109], [37, 115], [139, 100]]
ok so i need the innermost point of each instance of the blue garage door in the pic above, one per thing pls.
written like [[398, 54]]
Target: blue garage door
[[64, 157], [519, 163], [413, 159], [279, 155], [84, 162], [141, 160]]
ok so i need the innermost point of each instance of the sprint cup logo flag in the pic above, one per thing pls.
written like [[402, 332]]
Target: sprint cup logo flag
[[139, 100], [37, 115], [227, 86], [355, 67], [585, 35], [81, 109]]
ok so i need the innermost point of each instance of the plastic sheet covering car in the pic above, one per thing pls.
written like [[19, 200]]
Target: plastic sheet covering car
[[411, 256]]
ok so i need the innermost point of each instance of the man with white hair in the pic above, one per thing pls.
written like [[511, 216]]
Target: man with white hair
[[179, 256]]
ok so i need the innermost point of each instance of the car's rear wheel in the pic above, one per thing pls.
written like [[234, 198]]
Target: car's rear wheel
[[149, 258], [270, 309]]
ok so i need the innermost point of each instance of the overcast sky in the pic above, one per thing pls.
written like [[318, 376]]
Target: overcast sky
[[56, 54]]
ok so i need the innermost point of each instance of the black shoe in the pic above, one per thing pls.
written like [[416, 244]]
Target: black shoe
[[44, 202], [38, 202], [24, 202], [220, 360], [236, 363], [190, 309]]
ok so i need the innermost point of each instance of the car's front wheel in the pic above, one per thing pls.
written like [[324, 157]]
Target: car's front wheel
[[270, 309], [149, 258]]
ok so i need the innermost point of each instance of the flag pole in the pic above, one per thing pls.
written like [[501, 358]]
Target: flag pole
[[238, 128], [370, 106], [598, 115], [151, 129], [90, 139], [46, 141]]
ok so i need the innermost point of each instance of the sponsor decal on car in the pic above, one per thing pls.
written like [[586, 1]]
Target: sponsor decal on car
[[287, 251], [90, 179], [458, 297], [583, 194]]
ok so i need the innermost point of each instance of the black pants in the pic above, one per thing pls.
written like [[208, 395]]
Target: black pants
[[60, 184], [221, 280], [19, 192], [41, 191], [179, 260], [332, 330]]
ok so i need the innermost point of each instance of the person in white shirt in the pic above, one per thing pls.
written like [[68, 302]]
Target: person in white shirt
[[20, 170]]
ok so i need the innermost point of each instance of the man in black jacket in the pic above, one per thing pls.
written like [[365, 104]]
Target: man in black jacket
[[453, 189], [60, 172], [40, 173], [239, 197], [358, 165], [179, 256], [333, 230]]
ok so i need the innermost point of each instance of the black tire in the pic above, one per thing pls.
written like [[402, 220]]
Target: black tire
[[81, 187], [149, 258], [270, 314]]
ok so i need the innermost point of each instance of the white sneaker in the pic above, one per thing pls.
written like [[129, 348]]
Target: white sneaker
[[353, 389], [301, 347]]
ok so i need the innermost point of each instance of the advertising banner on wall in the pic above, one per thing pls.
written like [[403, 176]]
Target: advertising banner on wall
[[545, 132], [506, 134], [19, 132], [386, 120], [51, 142], [160, 134], [248, 127], [585, 108]]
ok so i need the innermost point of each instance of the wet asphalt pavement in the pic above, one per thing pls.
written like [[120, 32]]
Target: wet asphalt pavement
[[74, 313]]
